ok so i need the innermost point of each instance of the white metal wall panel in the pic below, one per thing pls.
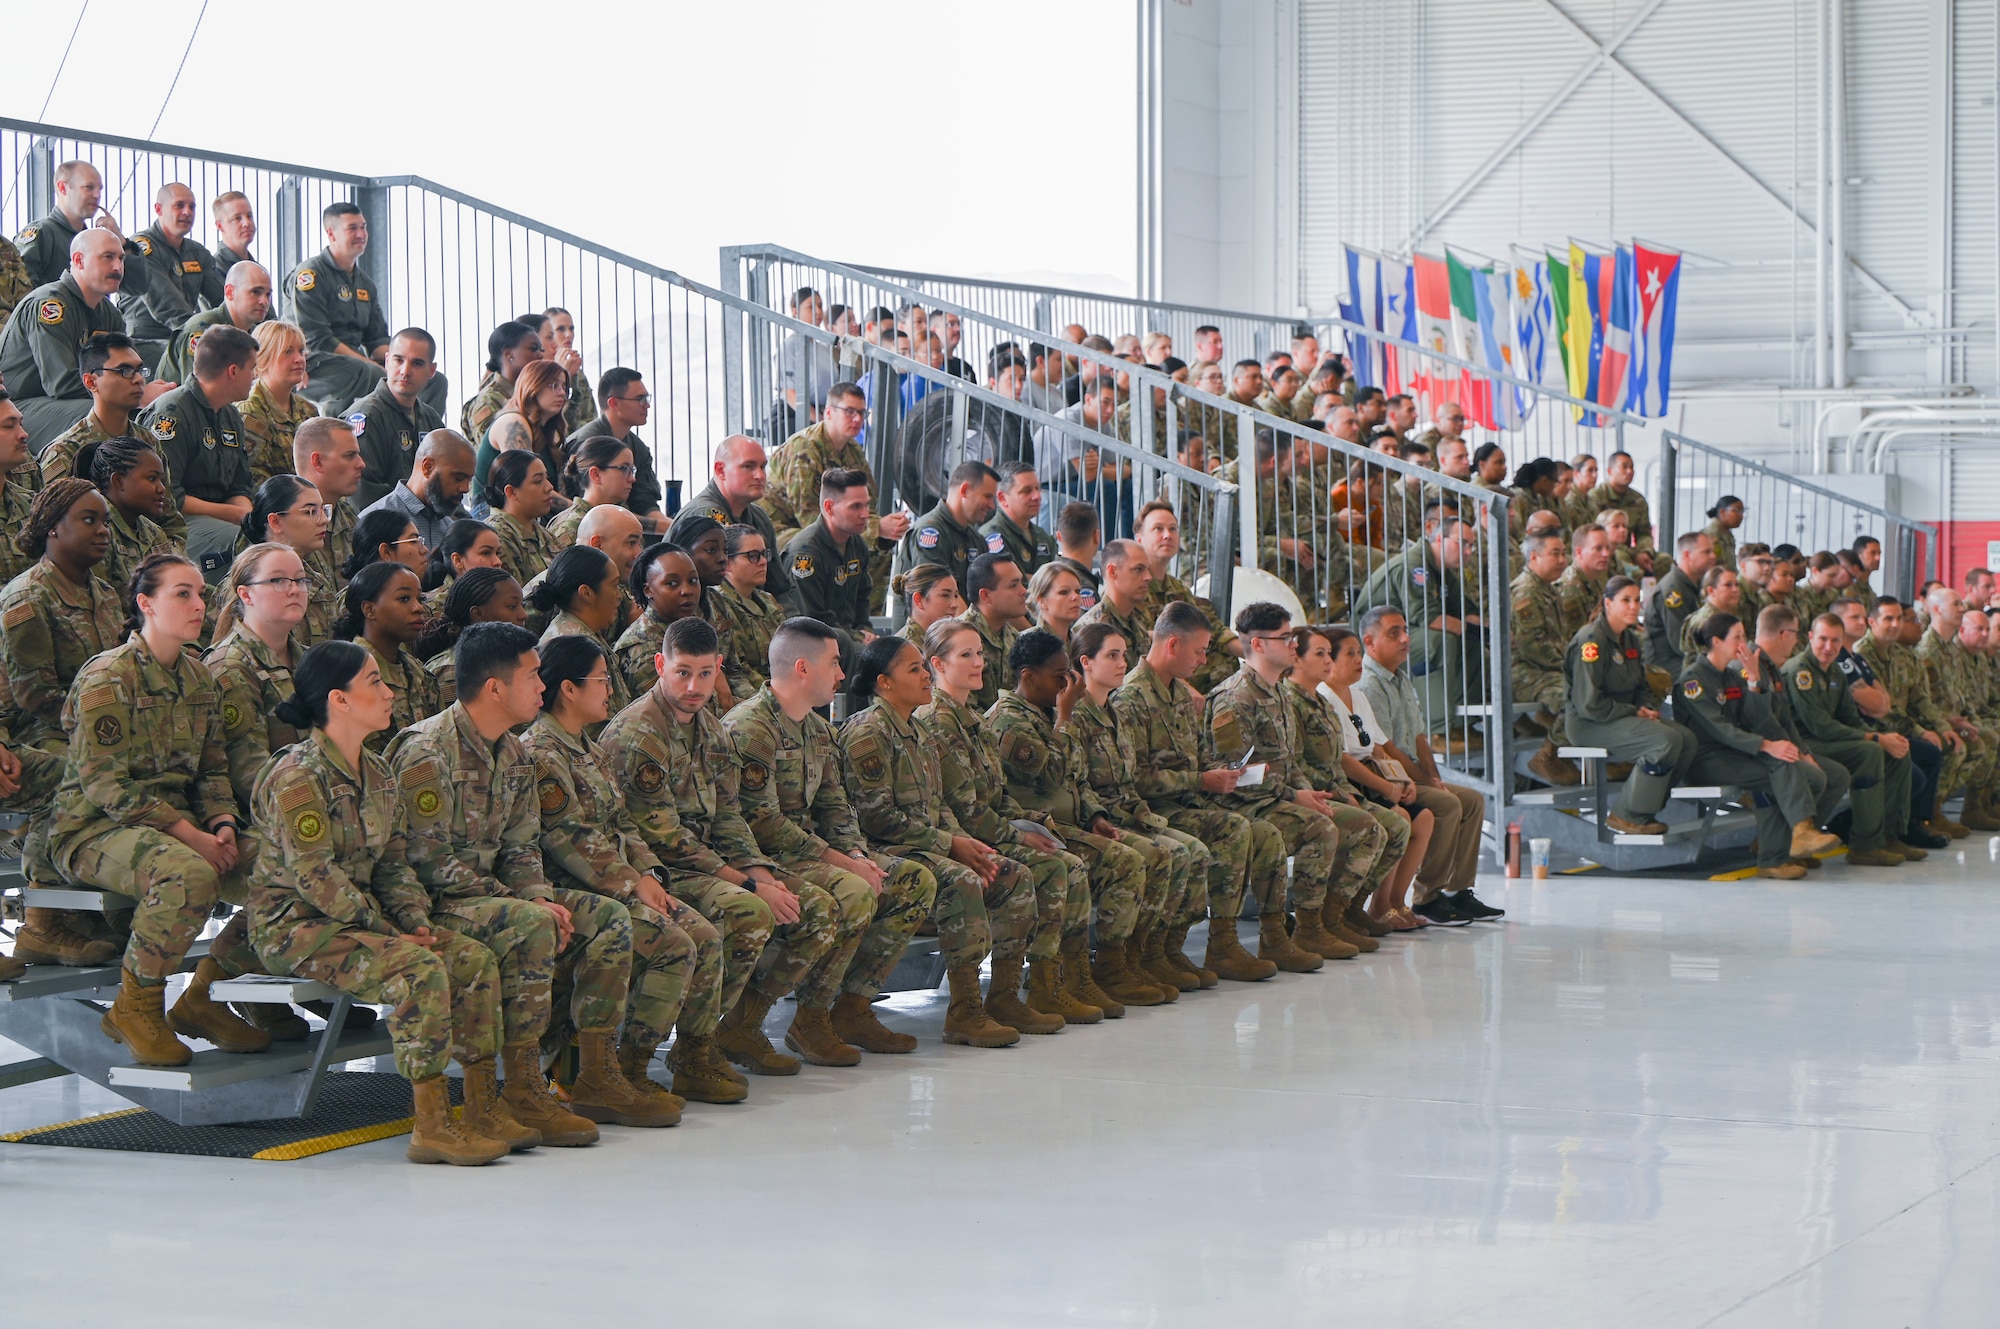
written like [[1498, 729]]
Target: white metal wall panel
[[1975, 203], [1975, 481]]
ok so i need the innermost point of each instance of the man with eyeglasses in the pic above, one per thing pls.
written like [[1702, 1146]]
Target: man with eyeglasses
[[46, 333], [792, 496], [741, 477], [198, 432], [394, 418], [624, 404], [116, 379]]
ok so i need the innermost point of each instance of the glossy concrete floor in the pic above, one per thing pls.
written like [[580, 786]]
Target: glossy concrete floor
[[1633, 1103]]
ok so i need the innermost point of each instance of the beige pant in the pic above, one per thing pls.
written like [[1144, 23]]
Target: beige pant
[[1452, 860]]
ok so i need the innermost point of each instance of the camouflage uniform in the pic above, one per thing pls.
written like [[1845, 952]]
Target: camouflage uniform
[[1912, 707], [130, 543], [633, 656], [996, 644], [57, 458], [331, 897], [1160, 592], [1944, 662], [566, 624], [146, 752], [1579, 594], [1048, 774], [590, 843], [252, 680], [268, 431], [1109, 762], [562, 528], [792, 496], [796, 804], [48, 628], [474, 845], [487, 402], [15, 499], [746, 625], [1633, 504], [1537, 624], [1724, 541], [682, 786], [976, 790], [897, 791], [1165, 728], [1330, 852], [416, 693], [14, 279], [525, 547], [1317, 756]]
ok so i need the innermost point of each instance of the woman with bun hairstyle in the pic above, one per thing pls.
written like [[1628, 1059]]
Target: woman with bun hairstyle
[[481, 595], [581, 593], [133, 481], [385, 613]]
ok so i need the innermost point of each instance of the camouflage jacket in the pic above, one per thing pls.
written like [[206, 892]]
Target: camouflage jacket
[[335, 854], [633, 654], [1633, 504], [485, 403], [683, 786], [968, 756], [130, 543], [525, 547], [1248, 721], [792, 494], [146, 748], [474, 828], [589, 840], [253, 680], [416, 692], [1317, 730], [1537, 625], [996, 643], [794, 794], [1165, 727], [1109, 760], [895, 784], [49, 627], [562, 529], [15, 500], [1047, 771], [268, 431], [566, 624], [746, 624]]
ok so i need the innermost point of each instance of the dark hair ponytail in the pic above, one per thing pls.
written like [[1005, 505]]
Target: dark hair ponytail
[[274, 496], [566, 660], [874, 661], [325, 669], [368, 585], [573, 569]]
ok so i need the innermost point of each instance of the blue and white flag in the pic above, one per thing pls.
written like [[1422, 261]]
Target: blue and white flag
[[1362, 308]]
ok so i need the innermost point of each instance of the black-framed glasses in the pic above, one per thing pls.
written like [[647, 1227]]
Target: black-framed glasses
[[629, 469], [284, 583], [754, 555], [133, 373]]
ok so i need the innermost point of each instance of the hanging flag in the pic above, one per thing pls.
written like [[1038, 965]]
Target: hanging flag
[[1617, 283], [1586, 331], [1399, 323], [1494, 293], [1658, 280], [1362, 310], [1557, 267], [1532, 314], [1471, 326], [1433, 288]]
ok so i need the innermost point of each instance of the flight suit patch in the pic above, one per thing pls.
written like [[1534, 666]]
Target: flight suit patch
[[553, 796], [50, 311], [802, 566], [1692, 689], [1590, 652], [306, 280]]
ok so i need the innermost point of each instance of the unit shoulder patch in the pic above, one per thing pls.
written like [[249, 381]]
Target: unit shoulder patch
[[1590, 652]]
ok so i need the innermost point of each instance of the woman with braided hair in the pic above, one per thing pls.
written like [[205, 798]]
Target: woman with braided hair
[[477, 595], [384, 614], [133, 480]]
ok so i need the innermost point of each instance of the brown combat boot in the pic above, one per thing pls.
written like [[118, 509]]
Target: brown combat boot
[[1874, 858], [486, 1112], [1333, 918], [1978, 814], [965, 1019], [11, 969], [49, 936], [195, 1016], [602, 1093], [1115, 975], [1357, 919], [1176, 953], [281, 1022], [812, 1037], [1549, 768], [138, 1020], [1155, 964], [1786, 871], [1004, 1004], [1276, 945], [436, 1138], [1227, 957], [741, 1038], [1910, 852], [528, 1098], [855, 1022], [1807, 840], [1081, 983], [635, 1063], [1048, 992], [1310, 935], [699, 1068]]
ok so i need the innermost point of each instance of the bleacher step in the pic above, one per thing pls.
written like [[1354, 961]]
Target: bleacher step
[[213, 1069]]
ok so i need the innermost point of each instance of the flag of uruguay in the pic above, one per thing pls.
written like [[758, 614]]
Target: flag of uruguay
[[1657, 275], [1363, 308]]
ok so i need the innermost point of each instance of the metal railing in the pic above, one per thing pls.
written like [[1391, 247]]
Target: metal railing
[[1321, 515], [1781, 508]]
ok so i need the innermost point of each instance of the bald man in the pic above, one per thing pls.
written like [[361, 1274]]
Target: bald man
[[182, 277], [617, 532], [45, 335], [439, 476], [45, 246], [740, 475], [246, 302]]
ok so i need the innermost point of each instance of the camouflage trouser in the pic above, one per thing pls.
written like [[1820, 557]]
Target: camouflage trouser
[[1186, 900], [1951, 771], [595, 975], [1982, 760], [664, 961], [796, 947], [1119, 881], [1395, 826], [1232, 845], [1314, 845], [973, 919], [442, 1003], [41, 774], [174, 886], [1550, 690], [873, 929], [522, 937], [1363, 846], [1062, 896], [744, 921], [700, 999]]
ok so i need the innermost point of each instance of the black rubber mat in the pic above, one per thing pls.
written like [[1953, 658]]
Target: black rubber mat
[[354, 1108]]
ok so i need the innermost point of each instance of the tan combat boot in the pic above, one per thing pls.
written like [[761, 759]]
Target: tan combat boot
[[436, 1138], [855, 1022], [965, 1019], [1333, 918], [1550, 768], [1978, 814], [741, 1038], [812, 1037], [702, 1074], [49, 936], [1114, 974], [1176, 952], [1081, 983], [1357, 919], [602, 1093], [1155, 964], [1786, 871], [1048, 992], [138, 1020], [1874, 858], [486, 1112], [11, 969], [528, 1098], [1807, 841], [635, 1063], [1312, 937], [1227, 957], [1910, 852], [1004, 1004], [195, 1016], [1276, 945], [281, 1022]]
